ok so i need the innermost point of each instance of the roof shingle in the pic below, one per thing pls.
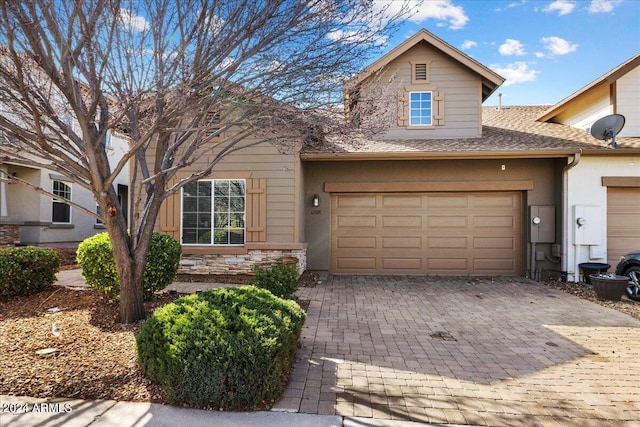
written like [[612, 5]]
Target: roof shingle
[[507, 130]]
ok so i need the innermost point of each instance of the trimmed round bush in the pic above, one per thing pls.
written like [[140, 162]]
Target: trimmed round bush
[[27, 270], [231, 348], [95, 258], [281, 279]]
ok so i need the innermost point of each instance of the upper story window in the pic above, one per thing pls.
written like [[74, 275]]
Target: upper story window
[[61, 212], [421, 108], [213, 212], [420, 72]]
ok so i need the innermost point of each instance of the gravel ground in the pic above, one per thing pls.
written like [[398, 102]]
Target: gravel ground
[[94, 357]]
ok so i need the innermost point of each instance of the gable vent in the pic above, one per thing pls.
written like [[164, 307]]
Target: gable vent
[[421, 72]]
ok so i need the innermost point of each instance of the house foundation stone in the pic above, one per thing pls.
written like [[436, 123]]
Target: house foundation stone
[[241, 264]]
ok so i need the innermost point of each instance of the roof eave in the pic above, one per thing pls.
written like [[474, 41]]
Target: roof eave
[[443, 155]]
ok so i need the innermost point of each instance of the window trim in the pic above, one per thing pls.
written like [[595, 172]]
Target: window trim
[[431, 115], [212, 228], [54, 200]]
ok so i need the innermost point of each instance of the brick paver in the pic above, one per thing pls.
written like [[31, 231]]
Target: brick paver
[[496, 352]]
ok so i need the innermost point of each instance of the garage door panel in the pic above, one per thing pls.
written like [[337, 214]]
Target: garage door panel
[[394, 202], [493, 201], [368, 201], [426, 233], [447, 221], [623, 225], [440, 201], [447, 242], [402, 242], [356, 242], [396, 264], [410, 221], [356, 221]]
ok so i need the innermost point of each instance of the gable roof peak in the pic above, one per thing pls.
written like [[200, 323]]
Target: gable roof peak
[[490, 79]]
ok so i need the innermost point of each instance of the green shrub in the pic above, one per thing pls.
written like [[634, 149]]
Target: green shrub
[[95, 258], [27, 270], [281, 279], [229, 347]]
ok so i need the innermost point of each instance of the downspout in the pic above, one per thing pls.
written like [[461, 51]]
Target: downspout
[[564, 248]]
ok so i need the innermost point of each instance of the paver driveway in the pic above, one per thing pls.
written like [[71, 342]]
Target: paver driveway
[[474, 351]]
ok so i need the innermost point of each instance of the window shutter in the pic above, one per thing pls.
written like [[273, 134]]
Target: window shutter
[[403, 109], [256, 216], [170, 214], [438, 115]]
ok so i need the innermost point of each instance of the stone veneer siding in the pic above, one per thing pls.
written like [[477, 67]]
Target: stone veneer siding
[[239, 264], [9, 234]]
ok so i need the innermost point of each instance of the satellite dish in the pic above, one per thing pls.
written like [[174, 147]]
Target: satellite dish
[[607, 128]]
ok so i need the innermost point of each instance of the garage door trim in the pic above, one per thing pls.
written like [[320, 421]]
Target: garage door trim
[[426, 187]]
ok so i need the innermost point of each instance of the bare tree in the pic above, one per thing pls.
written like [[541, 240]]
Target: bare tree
[[177, 76]]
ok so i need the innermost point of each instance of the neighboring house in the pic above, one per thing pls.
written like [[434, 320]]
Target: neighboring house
[[444, 186], [604, 185], [29, 217]]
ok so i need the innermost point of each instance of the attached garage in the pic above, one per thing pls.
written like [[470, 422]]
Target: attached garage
[[477, 233], [623, 225]]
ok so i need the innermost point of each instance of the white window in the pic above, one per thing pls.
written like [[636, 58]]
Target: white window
[[213, 212], [421, 108], [61, 212]]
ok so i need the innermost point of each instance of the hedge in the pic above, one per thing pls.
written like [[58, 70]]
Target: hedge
[[27, 270], [228, 348], [95, 258]]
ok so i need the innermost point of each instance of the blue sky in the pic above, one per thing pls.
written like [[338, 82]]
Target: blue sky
[[546, 50]]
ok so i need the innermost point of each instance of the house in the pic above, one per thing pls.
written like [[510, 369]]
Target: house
[[31, 218], [429, 182], [604, 183]]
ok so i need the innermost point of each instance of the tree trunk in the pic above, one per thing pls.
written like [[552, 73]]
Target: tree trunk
[[130, 259], [131, 276]]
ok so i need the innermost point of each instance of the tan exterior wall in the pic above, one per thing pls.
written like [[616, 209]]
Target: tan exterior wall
[[461, 88], [545, 175], [265, 161], [272, 227]]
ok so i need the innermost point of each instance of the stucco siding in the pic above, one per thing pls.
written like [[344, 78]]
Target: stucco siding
[[585, 188], [628, 102]]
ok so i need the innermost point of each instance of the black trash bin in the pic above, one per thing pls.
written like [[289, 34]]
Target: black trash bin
[[589, 268]]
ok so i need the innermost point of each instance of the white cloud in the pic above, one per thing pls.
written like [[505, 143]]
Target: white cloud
[[557, 46], [468, 44], [511, 47], [441, 10], [357, 37], [603, 6], [518, 72], [563, 7], [137, 23]]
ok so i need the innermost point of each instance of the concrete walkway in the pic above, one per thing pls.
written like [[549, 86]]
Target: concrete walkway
[[391, 351]]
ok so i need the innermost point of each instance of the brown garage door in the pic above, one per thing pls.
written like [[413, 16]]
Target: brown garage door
[[623, 223], [433, 233]]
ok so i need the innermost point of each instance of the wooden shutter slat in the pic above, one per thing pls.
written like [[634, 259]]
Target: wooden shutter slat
[[439, 108], [170, 214], [256, 210]]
